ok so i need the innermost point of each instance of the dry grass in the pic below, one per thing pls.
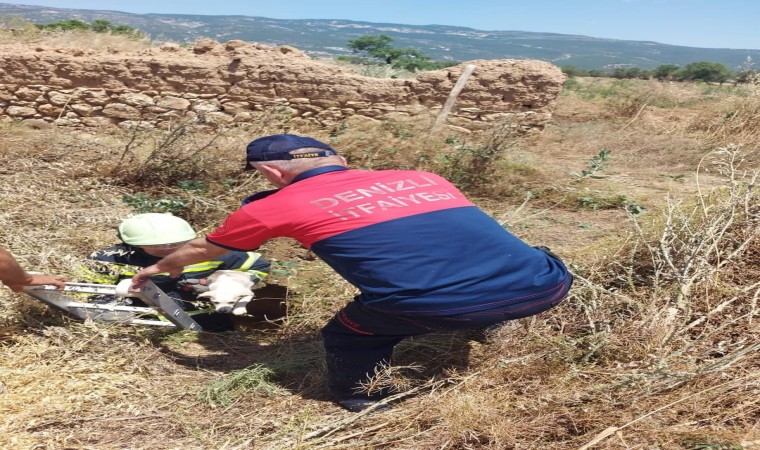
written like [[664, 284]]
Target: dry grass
[[656, 347], [14, 30]]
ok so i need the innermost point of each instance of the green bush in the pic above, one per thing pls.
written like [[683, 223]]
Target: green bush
[[98, 26], [379, 48], [472, 168]]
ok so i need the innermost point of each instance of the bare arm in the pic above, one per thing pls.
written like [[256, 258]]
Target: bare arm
[[196, 251], [15, 277]]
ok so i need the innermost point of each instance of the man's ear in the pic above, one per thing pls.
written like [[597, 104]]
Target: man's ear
[[273, 174]]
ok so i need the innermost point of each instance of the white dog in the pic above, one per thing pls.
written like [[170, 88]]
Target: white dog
[[229, 291]]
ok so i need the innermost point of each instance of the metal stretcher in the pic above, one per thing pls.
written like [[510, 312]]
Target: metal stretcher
[[162, 310]]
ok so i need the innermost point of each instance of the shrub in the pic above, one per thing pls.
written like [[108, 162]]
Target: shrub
[[166, 157], [98, 26], [472, 167]]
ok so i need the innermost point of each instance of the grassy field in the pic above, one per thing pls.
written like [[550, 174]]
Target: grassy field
[[647, 189]]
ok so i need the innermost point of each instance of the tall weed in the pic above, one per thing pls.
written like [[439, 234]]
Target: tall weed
[[17, 30], [739, 118], [472, 167], [166, 157]]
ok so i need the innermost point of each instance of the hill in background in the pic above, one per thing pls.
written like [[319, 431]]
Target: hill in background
[[328, 38]]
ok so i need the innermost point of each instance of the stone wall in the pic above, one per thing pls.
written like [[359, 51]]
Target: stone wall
[[233, 82]]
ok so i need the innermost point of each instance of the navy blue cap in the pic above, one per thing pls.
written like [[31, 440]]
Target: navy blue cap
[[277, 147]]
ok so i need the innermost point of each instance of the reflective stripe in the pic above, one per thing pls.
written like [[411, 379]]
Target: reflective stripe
[[202, 267], [252, 258], [116, 273], [97, 277], [104, 280], [258, 274]]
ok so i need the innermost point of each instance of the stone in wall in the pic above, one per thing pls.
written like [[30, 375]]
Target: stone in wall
[[175, 103], [122, 111], [20, 111]]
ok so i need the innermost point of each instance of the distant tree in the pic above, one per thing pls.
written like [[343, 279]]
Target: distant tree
[[98, 26], [126, 29], [665, 71], [375, 46], [65, 25], [101, 26], [572, 71], [638, 72], [619, 72], [408, 59], [379, 47], [705, 71], [629, 73]]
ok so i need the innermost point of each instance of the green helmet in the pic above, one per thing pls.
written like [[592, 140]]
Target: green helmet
[[155, 229]]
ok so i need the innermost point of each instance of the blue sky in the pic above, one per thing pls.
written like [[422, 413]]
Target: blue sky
[[693, 23]]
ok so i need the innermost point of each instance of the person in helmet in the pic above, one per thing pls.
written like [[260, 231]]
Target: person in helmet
[[146, 238]]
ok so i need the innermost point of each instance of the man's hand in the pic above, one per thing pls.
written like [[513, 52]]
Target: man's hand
[[142, 277], [40, 280], [15, 277], [195, 251]]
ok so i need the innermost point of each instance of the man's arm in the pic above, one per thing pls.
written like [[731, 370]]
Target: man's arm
[[15, 277], [196, 251]]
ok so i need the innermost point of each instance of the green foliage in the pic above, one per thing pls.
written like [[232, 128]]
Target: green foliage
[[571, 84], [180, 337], [593, 90], [704, 71], [626, 97], [254, 379], [98, 26], [145, 203], [665, 71], [595, 164], [193, 185], [699, 71], [374, 45], [613, 202], [631, 72], [472, 168], [458, 165], [64, 25], [379, 48], [572, 71], [370, 67]]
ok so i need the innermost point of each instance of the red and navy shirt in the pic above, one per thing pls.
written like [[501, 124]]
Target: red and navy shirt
[[408, 240]]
